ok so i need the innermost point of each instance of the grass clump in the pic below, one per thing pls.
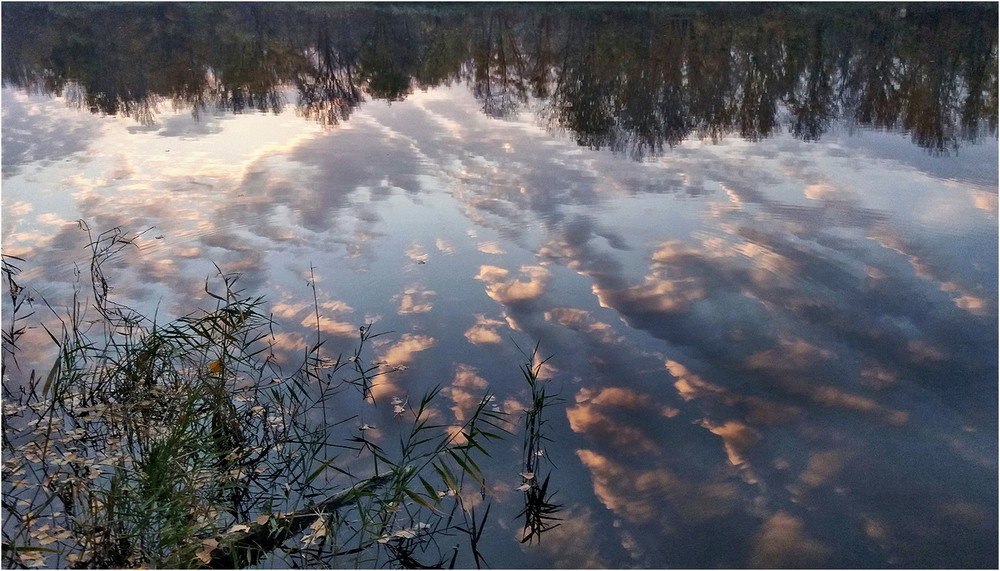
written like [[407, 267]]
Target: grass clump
[[184, 445]]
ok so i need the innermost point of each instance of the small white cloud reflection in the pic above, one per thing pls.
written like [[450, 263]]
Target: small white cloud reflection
[[415, 301], [416, 253], [878, 377], [491, 248], [508, 290], [654, 295], [783, 543], [484, 331], [616, 396], [583, 321], [392, 357], [17, 208], [984, 200], [589, 420], [737, 437], [330, 326], [287, 346], [822, 470], [403, 351], [466, 391], [444, 246]]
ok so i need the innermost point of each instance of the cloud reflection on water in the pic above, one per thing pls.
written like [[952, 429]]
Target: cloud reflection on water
[[742, 357]]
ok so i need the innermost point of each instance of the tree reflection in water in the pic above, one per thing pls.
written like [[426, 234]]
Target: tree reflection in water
[[632, 79]]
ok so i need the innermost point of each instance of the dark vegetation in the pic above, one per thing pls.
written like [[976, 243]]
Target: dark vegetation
[[183, 444], [630, 77]]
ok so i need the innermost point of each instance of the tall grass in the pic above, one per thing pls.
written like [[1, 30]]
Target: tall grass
[[184, 444], [539, 511]]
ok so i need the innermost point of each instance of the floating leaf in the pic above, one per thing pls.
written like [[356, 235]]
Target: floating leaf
[[32, 559], [40, 531], [405, 534], [208, 545], [528, 475], [79, 557], [216, 366], [262, 519], [239, 527]]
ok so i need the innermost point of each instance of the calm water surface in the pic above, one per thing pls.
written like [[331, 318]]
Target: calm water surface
[[775, 334]]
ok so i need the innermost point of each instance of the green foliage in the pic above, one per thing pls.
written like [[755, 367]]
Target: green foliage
[[184, 445]]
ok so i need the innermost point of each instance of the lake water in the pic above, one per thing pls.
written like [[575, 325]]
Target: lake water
[[760, 246]]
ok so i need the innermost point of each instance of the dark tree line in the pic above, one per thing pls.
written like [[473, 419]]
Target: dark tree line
[[630, 77]]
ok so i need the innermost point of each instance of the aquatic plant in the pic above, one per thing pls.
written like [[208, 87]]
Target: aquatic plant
[[185, 445], [539, 511]]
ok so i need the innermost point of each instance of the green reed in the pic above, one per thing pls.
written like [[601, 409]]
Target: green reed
[[539, 511], [184, 444]]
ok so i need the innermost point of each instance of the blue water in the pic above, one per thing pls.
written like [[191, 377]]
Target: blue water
[[779, 353]]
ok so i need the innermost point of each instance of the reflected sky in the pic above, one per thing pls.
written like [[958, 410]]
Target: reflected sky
[[775, 353]]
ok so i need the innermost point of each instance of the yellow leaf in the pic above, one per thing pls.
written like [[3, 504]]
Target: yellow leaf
[[205, 556], [80, 557], [405, 534], [216, 366], [39, 533]]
